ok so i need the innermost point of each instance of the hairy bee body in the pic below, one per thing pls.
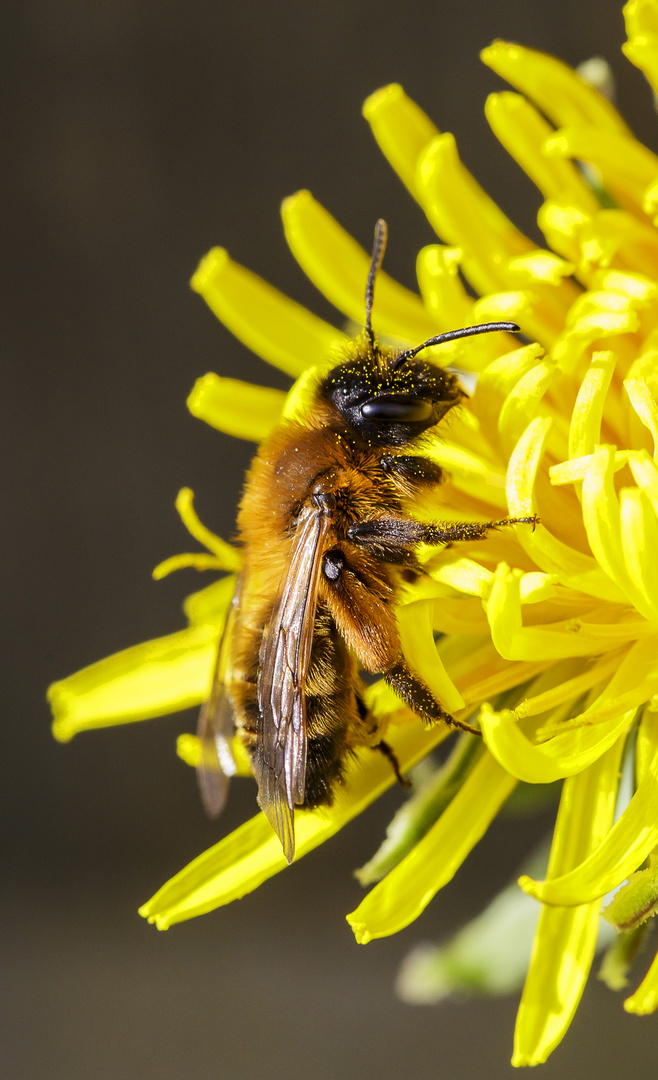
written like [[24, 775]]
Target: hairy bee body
[[329, 537], [354, 622]]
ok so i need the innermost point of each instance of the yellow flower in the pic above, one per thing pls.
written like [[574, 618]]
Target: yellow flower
[[549, 638]]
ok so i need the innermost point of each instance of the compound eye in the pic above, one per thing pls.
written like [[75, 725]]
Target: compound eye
[[397, 408]]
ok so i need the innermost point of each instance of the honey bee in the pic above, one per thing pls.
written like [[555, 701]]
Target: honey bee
[[328, 538]]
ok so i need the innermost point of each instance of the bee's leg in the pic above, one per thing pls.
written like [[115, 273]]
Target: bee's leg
[[420, 699], [388, 537], [389, 753], [451, 532]]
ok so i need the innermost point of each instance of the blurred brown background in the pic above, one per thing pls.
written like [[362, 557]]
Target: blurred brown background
[[136, 135]]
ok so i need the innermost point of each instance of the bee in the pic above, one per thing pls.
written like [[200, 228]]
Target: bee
[[328, 538]]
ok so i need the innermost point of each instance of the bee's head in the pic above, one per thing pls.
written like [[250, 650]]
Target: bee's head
[[389, 396], [389, 404]]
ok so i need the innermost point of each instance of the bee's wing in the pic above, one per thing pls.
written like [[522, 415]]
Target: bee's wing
[[215, 727], [280, 759]]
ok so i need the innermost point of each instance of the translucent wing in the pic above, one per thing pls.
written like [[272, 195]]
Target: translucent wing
[[280, 759], [216, 726]]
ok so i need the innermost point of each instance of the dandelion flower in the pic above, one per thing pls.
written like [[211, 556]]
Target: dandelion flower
[[547, 638]]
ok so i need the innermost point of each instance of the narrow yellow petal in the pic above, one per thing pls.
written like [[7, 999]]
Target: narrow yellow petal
[[572, 567], [565, 938], [236, 408], [561, 94], [497, 380], [616, 236], [540, 265], [401, 129], [642, 29], [644, 404], [549, 641], [602, 518], [148, 680], [562, 222], [569, 689], [252, 853], [338, 267], [191, 560], [626, 166], [639, 527], [464, 574], [470, 473], [569, 472], [523, 403], [571, 345], [625, 847], [645, 998], [229, 557], [634, 681], [637, 287], [463, 215], [407, 890], [564, 755], [585, 427], [210, 605], [647, 741], [523, 132], [273, 326], [419, 649]]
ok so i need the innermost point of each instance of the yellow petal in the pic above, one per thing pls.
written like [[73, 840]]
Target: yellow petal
[[550, 641], [645, 998], [626, 166], [275, 327], [642, 29], [602, 518], [556, 88], [564, 755], [407, 890], [418, 648], [585, 427], [210, 605], [569, 472], [497, 380], [523, 132], [228, 557], [625, 847], [540, 265], [243, 860], [569, 689], [401, 129], [236, 408], [647, 741], [572, 567], [338, 267], [639, 527], [148, 680], [463, 215], [634, 682], [523, 403], [565, 938], [644, 405], [470, 473], [571, 344]]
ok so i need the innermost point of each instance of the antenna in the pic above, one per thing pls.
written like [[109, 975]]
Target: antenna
[[453, 335], [378, 249]]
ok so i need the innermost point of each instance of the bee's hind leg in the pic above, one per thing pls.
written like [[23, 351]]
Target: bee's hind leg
[[420, 699], [390, 754]]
